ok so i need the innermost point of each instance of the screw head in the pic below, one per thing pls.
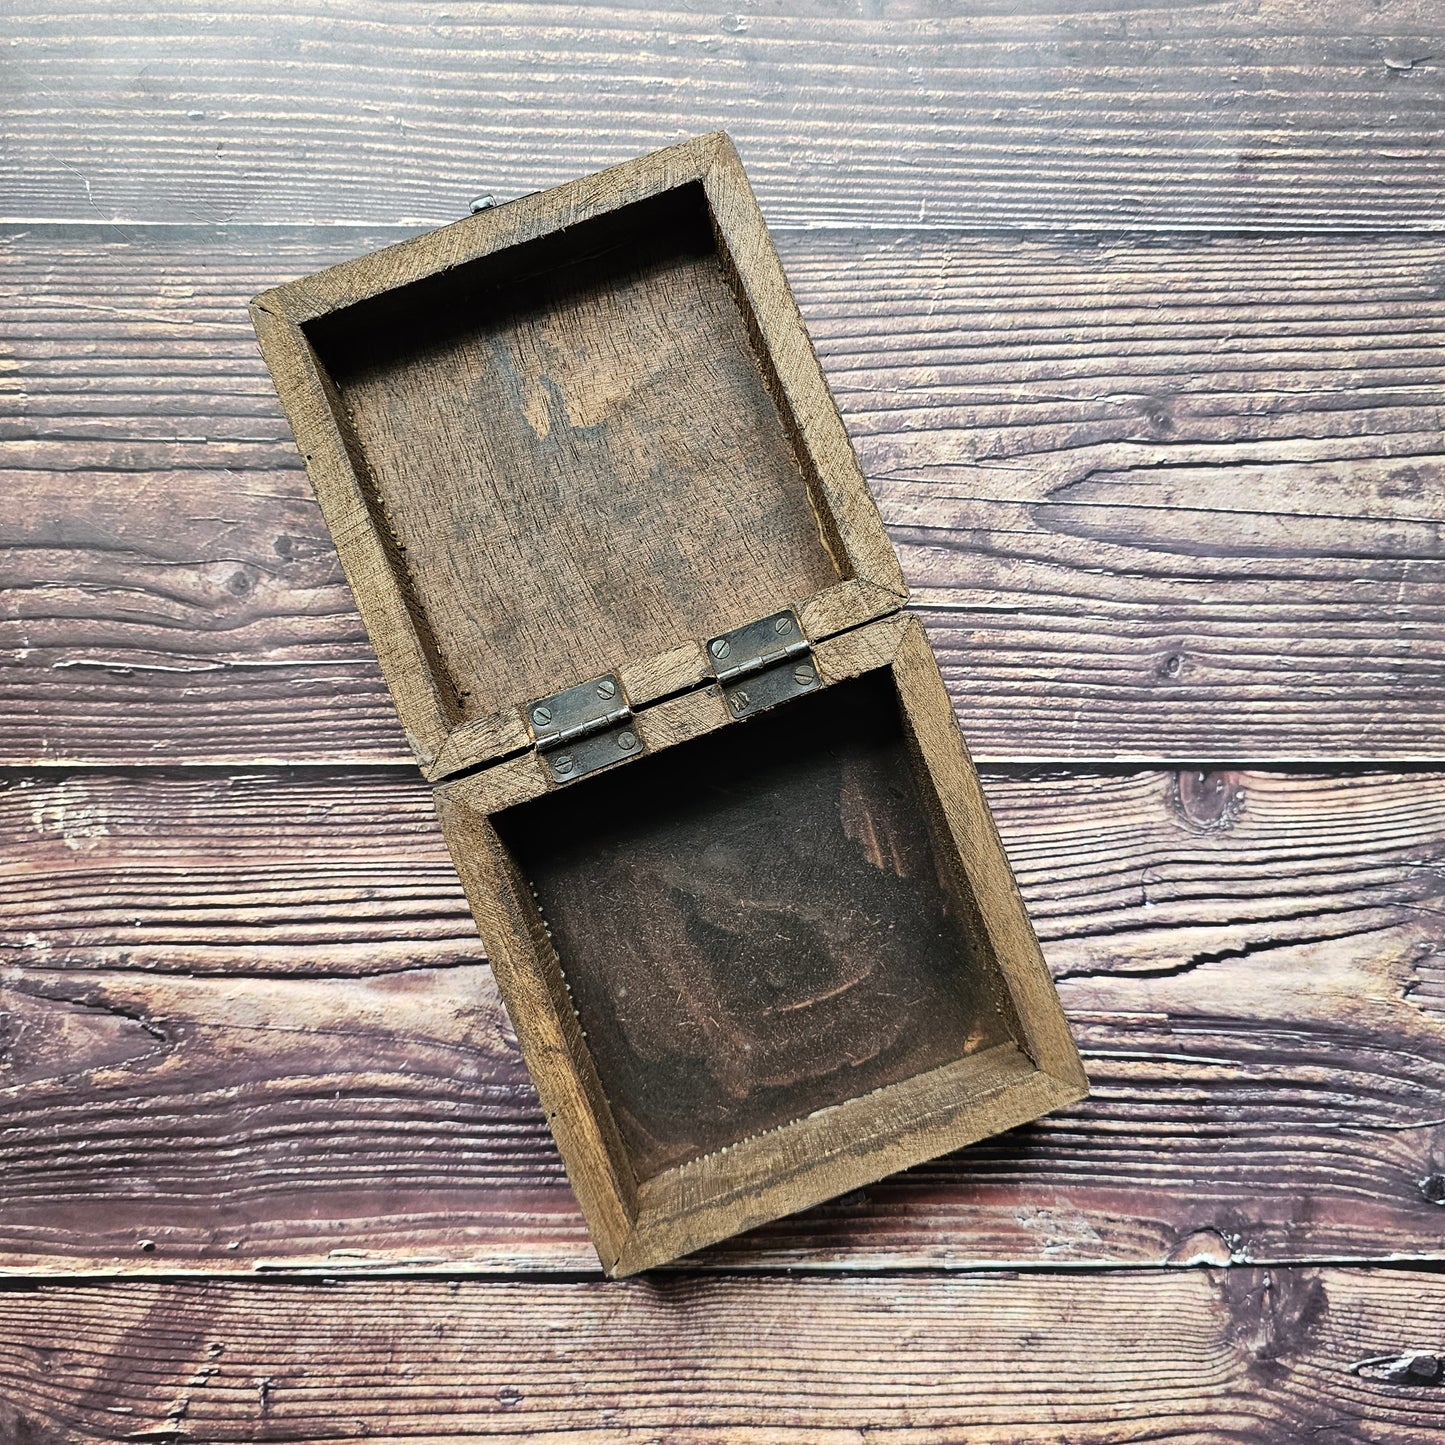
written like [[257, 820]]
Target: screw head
[[783, 624], [541, 715], [484, 202], [721, 647], [1421, 1366], [626, 741], [740, 700], [606, 688], [563, 764], [802, 674]]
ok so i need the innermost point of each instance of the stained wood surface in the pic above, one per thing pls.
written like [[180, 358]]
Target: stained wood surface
[[585, 467], [250, 1023], [1174, 499], [646, 453], [1220, 114], [1184, 1356], [850, 967], [1160, 496]]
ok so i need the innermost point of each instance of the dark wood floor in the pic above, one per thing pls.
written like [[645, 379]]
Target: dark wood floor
[[1137, 319]]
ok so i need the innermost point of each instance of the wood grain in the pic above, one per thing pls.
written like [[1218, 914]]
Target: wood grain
[[1223, 114], [569, 436], [1185, 1356], [585, 468], [249, 1010], [1168, 500], [771, 1082], [1171, 499], [850, 968]]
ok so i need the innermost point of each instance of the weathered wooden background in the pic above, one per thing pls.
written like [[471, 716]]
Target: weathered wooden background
[[1137, 316]]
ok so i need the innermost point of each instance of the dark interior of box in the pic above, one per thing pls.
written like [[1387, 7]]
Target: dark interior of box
[[759, 923], [575, 453]]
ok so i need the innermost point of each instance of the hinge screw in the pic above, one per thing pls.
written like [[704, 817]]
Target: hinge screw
[[721, 647], [626, 741], [803, 675], [739, 700], [783, 624], [541, 715], [606, 688], [563, 764]]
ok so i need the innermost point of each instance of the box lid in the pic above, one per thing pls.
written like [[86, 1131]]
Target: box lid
[[576, 434]]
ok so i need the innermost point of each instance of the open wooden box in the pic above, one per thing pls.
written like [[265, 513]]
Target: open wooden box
[[698, 772]]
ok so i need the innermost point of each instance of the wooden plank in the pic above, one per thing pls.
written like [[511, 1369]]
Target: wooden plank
[[1179, 1356], [1167, 500], [1221, 114], [245, 1020]]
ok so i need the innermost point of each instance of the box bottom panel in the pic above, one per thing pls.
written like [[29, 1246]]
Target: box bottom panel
[[758, 924]]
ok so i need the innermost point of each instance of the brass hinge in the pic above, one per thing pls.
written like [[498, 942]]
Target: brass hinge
[[763, 663], [588, 727], [583, 729]]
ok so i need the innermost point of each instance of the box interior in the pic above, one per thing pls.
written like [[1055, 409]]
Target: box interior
[[575, 453], [760, 923]]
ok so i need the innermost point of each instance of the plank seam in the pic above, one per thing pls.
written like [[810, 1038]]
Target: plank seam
[[1078, 229], [318, 1277]]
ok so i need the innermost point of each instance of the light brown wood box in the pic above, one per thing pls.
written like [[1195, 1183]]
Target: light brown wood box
[[739, 886]]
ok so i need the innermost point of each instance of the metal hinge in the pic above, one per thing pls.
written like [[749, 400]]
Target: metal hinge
[[764, 663], [588, 727], [583, 728]]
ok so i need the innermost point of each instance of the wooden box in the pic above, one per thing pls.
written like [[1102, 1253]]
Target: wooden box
[[697, 769]]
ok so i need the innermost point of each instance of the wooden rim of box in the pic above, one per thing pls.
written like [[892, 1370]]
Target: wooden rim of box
[[484, 766], [638, 1225], [872, 582]]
